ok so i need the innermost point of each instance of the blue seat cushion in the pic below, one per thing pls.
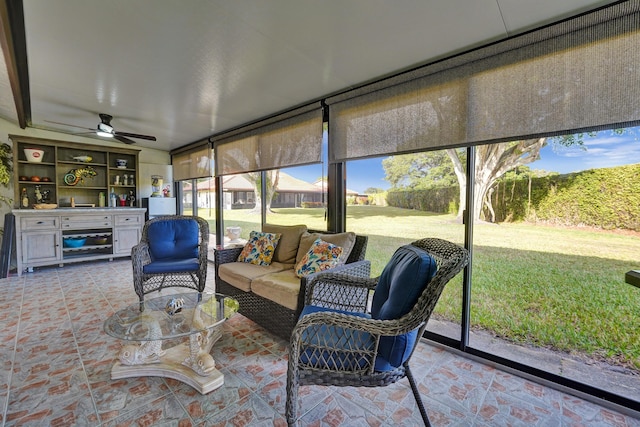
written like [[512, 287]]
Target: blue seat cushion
[[400, 285], [173, 239], [345, 343], [171, 266]]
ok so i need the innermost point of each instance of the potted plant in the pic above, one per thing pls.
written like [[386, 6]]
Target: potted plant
[[6, 170]]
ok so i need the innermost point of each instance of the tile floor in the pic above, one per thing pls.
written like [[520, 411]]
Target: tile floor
[[56, 361]]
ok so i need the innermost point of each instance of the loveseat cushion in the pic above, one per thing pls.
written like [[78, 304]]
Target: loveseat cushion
[[345, 240], [289, 241], [282, 287], [240, 274], [173, 239], [399, 287]]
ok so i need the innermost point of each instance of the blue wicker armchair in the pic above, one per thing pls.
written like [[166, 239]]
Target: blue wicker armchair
[[172, 252], [338, 341]]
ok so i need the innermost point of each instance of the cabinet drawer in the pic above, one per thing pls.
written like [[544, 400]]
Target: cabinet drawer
[[86, 221], [128, 219], [39, 223]]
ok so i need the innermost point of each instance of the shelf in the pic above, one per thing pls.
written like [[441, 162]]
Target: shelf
[[67, 256], [76, 163], [37, 182], [81, 187], [26, 162], [87, 248], [92, 234]]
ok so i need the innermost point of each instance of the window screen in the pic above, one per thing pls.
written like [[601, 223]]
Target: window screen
[[192, 163], [580, 74], [291, 140]]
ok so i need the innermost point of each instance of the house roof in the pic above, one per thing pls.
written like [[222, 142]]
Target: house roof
[[185, 70], [286, 184]]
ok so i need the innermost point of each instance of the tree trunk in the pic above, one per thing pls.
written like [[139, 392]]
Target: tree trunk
[[273, 177], [493, 161]]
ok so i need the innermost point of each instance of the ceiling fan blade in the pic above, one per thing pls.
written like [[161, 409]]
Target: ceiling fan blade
[[123, 139], [67, 124], [134, 135]]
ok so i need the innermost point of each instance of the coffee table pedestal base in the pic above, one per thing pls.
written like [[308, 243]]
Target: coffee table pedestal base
[[171, 366]]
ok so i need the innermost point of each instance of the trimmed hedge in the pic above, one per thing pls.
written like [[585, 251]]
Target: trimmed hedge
[[438, 200], [606, 198]]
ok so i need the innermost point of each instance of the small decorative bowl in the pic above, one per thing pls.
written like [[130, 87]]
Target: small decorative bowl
[[74, 242], [34, 155], [99, 240]]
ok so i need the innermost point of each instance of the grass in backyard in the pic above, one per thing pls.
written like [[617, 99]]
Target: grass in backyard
[[546, 286]]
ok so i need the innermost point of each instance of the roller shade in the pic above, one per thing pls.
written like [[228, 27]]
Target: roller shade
[[290, 140], [581, 74], [192, 163]]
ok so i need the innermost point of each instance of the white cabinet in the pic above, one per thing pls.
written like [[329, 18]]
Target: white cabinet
[[60, 236], [39, 243], [126, 232]]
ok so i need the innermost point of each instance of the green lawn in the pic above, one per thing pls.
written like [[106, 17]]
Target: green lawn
[[553, 287]]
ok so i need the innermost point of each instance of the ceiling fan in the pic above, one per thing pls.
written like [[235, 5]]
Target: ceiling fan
[[105, 129]]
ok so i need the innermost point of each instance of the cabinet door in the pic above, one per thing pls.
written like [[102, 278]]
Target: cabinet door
[[124, 238], [40, 247]]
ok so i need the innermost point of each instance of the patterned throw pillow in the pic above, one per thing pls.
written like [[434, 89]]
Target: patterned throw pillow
[[321, 256], [259, 248]]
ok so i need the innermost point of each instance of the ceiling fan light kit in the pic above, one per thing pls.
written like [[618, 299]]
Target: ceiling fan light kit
[[104, 129]]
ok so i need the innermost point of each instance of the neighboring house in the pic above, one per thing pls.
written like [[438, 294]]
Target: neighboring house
[[238, 192], [322, 183]]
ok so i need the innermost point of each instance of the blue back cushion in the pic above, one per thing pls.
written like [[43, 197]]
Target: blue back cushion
[[399, 287], [173, 239]]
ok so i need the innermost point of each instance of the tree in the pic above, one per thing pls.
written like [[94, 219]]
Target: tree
[[420, 170], [255, 178], [373, 190], [492, 161]]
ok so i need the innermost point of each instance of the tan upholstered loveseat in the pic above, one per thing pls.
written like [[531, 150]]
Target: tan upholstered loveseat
[[272, 295]]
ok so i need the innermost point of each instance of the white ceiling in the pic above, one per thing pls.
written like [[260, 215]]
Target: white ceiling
[[185, 70]]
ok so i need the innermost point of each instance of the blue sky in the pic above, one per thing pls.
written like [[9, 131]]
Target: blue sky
[[605, 150]]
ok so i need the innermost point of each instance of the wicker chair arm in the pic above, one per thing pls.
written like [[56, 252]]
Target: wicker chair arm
[[140, 256], [374, 327]]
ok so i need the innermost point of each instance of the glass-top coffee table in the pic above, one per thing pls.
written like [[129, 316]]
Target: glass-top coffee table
[[166, 318]]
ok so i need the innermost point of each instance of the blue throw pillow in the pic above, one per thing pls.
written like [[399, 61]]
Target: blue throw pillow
[[400, 285], [173, 239]]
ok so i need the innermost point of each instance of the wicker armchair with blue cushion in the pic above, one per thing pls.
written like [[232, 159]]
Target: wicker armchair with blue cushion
[[172, 252], [338, 342]]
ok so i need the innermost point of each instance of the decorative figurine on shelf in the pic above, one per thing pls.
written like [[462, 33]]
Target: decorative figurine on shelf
[[125, 180], [45, 195], [25, 198], [113, 198], [38, 194], [131, 199], [166, 192]]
